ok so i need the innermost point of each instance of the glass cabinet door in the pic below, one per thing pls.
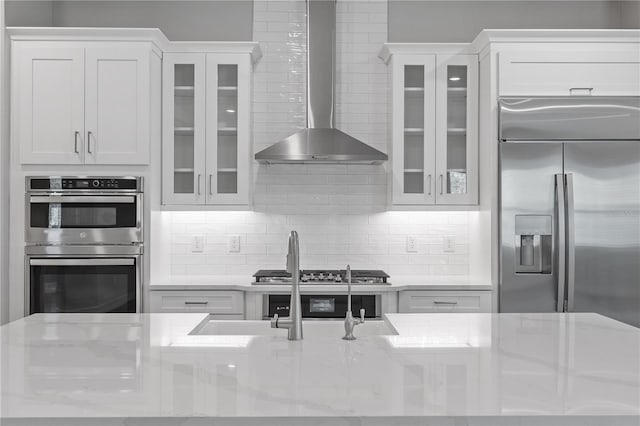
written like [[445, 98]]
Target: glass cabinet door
[[457, 130], [183, 126], [227, 129], [413, 159]]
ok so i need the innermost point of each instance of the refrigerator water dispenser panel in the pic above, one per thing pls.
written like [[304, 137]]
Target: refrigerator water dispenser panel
[[533, 244]]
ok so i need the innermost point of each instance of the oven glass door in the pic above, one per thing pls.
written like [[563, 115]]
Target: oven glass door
[[83, 218], [81, 285]]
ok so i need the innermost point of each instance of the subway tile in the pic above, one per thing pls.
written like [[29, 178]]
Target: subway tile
[[339, 211]]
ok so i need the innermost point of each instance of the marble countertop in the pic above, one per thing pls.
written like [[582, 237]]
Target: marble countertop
[[244, 283], [493, 368]]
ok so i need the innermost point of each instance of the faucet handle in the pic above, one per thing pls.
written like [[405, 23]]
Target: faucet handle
[[274, 321], [362, 314]]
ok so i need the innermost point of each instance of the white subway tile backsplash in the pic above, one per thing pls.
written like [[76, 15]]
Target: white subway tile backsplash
[[339, 211]]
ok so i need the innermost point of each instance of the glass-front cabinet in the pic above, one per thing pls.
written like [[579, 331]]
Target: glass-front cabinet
[[206, 100], [434, 147]]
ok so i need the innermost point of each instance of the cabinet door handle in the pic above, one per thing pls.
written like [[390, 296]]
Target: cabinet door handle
[[429, 183], [580, 89], [89, 142], [441, 185], [75, 143], [189, 302], [210, 184], [441, 302], [199, 178]]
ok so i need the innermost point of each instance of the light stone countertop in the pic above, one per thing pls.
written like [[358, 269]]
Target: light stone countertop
[[439, 369], [244, 283]]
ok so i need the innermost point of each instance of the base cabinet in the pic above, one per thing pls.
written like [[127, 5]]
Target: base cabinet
[[220, 304], [427, 301]]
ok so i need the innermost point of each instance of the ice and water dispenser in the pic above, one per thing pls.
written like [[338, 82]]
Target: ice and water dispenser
[[533, 244]]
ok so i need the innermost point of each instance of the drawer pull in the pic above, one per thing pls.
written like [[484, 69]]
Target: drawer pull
[[581, 91], [195, 303], [440, 302]]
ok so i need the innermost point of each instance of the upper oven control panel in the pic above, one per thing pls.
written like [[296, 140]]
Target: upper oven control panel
[[61, 183]]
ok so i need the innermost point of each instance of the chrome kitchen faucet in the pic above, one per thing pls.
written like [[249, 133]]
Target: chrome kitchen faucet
[[294, 321], [350, 322]]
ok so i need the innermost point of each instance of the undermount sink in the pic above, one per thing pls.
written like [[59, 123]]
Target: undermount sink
[[311, 329]]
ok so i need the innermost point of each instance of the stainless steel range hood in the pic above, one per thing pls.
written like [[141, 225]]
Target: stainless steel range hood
[[320, 142]]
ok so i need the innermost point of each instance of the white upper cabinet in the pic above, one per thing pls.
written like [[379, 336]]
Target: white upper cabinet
[[434, 140], [79, 101], [48, 104], [117, 100], [557, 72], [457, 129], [183, 159], [206, 126]]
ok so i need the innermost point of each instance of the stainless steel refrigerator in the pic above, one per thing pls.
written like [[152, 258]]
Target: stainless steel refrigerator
[[570, 205]]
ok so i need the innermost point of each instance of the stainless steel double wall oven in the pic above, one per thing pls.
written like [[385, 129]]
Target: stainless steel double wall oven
[[84, 244]]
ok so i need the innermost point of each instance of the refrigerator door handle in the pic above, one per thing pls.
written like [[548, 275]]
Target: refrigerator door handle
[[571, 244], [561, 239]]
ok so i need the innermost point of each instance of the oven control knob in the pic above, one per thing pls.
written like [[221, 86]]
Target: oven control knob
[[95, 183]]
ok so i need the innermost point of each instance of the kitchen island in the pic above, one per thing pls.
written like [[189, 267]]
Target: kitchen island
[[417, 369]]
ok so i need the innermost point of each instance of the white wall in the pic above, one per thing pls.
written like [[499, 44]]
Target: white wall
[[4, 173], [179, 20], [630, 14], [29, 13], [461, 21]]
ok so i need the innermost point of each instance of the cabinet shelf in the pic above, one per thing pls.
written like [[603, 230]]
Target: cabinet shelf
[[414, 89], [227, 88], [414, 170], [186, 91], [415, 130], [457, 92], [227, 130], [228, 170], [184, 170], [457, 131], [183, 130]]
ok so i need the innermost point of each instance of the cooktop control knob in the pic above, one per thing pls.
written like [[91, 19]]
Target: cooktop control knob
[[95, 183]]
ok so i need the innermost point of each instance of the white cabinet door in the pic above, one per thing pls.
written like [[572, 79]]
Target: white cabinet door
[[228, 124], [48, 103], [565, 73], [210, 301], [413, 127], [183, 128], [428, 301], [117, 109], [457, 129]]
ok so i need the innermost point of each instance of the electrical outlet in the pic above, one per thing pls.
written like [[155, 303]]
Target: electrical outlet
[[449, 244], [197, 244], [234, 244], [412, 244]]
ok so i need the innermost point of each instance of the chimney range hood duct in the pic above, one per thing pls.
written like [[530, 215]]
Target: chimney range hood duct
[[320, 142]]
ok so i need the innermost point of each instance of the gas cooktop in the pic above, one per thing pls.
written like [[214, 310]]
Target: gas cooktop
[[275, 276]]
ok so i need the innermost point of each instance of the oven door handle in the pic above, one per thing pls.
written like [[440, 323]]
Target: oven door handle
[[106, 199], [81, 262]]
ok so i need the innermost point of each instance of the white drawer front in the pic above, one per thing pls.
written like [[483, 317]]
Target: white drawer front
[[214, 302], [569, 73], [439, 301]]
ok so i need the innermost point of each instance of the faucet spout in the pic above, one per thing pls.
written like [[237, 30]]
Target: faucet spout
[[293, 323], [349, 322]]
